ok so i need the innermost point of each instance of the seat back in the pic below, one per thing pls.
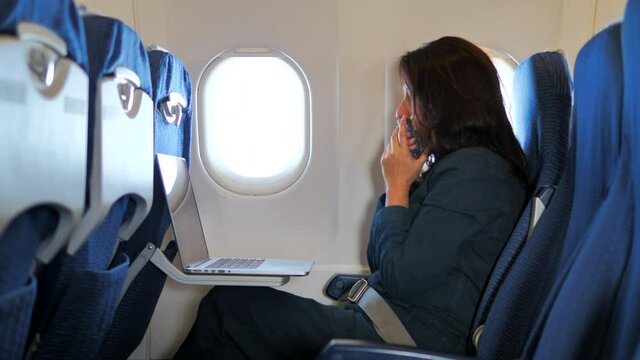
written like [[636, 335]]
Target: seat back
[[121, 152], [43, 77], [624, 336], [542, 100], [43, 99], [172, 119], [542, 92], [600, 220], [79, 293]]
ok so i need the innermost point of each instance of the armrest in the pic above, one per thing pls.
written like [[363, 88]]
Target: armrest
[[339, 284], [348, 349]]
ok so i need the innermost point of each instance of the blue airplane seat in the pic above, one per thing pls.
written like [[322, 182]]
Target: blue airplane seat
[[169, 77], [79, 291], [624, 337], [575, 319], [542, 99], [600, 143], [30, 222], [18, 245], [542, 104]]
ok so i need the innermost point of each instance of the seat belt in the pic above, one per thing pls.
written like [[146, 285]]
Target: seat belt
[[384, 319]]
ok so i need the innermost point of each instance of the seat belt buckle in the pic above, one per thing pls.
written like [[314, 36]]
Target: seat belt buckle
[[357, 290]]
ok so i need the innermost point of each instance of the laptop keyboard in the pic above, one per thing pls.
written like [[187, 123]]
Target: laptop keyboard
[[236, 264]]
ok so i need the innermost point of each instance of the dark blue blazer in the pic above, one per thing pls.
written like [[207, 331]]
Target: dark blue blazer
[[431, 261]]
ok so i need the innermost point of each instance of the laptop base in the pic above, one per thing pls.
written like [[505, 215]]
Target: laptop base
[[153, 254]]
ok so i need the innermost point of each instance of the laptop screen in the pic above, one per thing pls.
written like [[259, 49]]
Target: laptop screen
[[183, 208]]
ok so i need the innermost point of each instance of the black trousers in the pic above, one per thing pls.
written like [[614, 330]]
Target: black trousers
[[264, 323]]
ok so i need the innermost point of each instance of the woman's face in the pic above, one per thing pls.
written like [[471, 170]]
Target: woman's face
[[406, 105]]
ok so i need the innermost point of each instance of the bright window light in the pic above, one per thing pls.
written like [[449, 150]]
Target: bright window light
[[506, 66], [505, 72], [255, 121]]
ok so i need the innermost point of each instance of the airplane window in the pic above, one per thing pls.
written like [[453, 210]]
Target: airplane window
[[506, 66], [254, 121]]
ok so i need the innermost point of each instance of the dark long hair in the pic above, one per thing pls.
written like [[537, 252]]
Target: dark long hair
[[457, 101]]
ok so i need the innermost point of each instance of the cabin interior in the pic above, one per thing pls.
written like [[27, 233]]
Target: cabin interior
[[318, 205]]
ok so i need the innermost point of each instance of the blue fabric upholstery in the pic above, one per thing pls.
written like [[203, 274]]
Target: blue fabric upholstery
[[111, 44], [60, 16], [543, 98], [599, 211], [79, 294], [522, 292], [596, 120], [624, 337], [18, 245], [170, 75], [598, 107], [137, 306], [15, 316], [135, 311], [578, 323]]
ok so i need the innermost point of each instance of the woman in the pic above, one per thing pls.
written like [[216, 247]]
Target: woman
[[433, 242]]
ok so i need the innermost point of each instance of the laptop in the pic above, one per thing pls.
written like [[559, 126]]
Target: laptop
[[192, 245]]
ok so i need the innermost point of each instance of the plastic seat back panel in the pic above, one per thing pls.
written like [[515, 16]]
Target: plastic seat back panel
[[168, 75], [81, 292]]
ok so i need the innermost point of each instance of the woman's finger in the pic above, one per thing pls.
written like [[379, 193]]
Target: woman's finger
[[402, 131], [393, 142], [384, 154]]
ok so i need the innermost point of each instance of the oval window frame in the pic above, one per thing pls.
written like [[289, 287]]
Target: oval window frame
[[253, 186]]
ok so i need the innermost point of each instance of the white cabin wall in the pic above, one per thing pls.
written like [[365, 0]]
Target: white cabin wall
[[608, 11], [119, 9], [581, 19]]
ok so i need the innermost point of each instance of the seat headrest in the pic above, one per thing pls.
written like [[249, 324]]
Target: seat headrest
[[169, 75], [542, 93], [113, 44], [60, 16]]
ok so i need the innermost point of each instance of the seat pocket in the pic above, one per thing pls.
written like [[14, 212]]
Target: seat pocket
[[84, 313], [16, 308], [135, 310]]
